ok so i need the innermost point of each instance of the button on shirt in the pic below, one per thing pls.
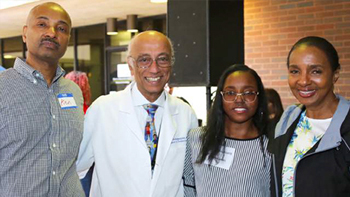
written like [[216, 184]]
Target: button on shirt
[[39, 141]]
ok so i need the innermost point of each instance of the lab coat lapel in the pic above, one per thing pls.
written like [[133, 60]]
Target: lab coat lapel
[[130, 115], [167, 132]]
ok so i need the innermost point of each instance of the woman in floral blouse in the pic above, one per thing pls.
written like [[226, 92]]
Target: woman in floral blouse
[[311, 147]]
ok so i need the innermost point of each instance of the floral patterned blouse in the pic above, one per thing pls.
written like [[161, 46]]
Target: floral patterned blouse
[[306, 135]]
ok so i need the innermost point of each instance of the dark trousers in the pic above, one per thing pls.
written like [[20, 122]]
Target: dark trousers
[[86, 181]]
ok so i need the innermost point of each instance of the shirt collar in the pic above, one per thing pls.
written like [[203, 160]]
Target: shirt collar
[[31, 74], [139, 99]]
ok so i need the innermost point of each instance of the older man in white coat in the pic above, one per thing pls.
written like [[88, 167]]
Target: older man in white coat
[[137, 154]]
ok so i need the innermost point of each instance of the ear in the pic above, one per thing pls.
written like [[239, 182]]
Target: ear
[[24, 33], [336, 75]]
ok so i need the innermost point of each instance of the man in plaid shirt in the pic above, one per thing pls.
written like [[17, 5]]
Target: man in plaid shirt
[[41, 113]]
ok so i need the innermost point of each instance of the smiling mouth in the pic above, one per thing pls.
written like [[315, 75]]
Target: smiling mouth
[[240, 110], [152, 79], [306, 94]]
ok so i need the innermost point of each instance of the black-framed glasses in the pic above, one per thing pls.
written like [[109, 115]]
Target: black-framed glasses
[[231, 96], [163, 61]]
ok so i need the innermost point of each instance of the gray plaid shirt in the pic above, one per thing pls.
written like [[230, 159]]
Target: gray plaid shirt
[[39, 141]]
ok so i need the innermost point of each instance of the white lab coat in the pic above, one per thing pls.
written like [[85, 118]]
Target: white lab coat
[[114, 140]]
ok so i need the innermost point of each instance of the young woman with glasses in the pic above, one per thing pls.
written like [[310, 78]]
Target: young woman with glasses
[[228, 157]]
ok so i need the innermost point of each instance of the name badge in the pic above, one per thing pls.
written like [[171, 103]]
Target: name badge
[[66, 101], [223, 162], [179, 139]]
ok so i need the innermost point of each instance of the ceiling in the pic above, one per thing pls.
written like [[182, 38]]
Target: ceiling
[[82, 12]]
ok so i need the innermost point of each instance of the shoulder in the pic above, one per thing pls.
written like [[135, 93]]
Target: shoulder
[[8, 75], [345, 128], [288, 117], [176, 103], [194, 137], [175, 100], [293, 109], [111, 100], [195, 133], [67, 83], [111, 97], [9, 79]]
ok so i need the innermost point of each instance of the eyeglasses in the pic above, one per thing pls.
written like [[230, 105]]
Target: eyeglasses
[[145, 62], [230, 96]]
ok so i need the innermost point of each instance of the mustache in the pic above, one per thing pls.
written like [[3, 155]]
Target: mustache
[[50, 40]]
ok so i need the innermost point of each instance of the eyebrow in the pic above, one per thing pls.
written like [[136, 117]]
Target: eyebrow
[[244, 87], [315, 66], [308, 66], [143, 54], [164, 53], [147, 54], [293, 66], [46, 18]]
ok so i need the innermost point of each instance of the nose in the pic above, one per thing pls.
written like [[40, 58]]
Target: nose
[[304, 79], [154, 67], [51, 32], [239, 98]]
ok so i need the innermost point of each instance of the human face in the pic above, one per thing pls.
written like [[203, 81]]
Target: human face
[[150, 81], [311, 78], [271, 110], [240, 111], [47, 33]]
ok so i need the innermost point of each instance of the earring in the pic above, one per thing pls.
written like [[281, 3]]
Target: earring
[[336, 90]]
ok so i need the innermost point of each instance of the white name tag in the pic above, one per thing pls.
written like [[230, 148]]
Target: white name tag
[[223, 162], [66, 101], [179, 139]]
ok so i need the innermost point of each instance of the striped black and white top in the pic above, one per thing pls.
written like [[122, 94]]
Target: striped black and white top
[[248, 175]]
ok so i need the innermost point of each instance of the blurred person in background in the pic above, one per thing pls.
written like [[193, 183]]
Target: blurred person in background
[[82, 80], [275, 109]]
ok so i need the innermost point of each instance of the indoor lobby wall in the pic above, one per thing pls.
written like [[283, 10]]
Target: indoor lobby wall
[[273, 26]]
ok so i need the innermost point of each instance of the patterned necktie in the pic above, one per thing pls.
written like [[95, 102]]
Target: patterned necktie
[[151, 137]]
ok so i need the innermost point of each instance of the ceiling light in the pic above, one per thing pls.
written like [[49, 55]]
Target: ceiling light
[[131, 23], [112, 28], [9, 57]]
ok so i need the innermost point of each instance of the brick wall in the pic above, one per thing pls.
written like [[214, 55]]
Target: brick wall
[[273, 26]]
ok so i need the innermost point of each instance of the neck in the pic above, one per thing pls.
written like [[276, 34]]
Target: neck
[[324, 111], [47, 69], [246, 130], [152, 98]]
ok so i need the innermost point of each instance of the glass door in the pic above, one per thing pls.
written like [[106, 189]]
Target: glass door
[[118, 73]]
